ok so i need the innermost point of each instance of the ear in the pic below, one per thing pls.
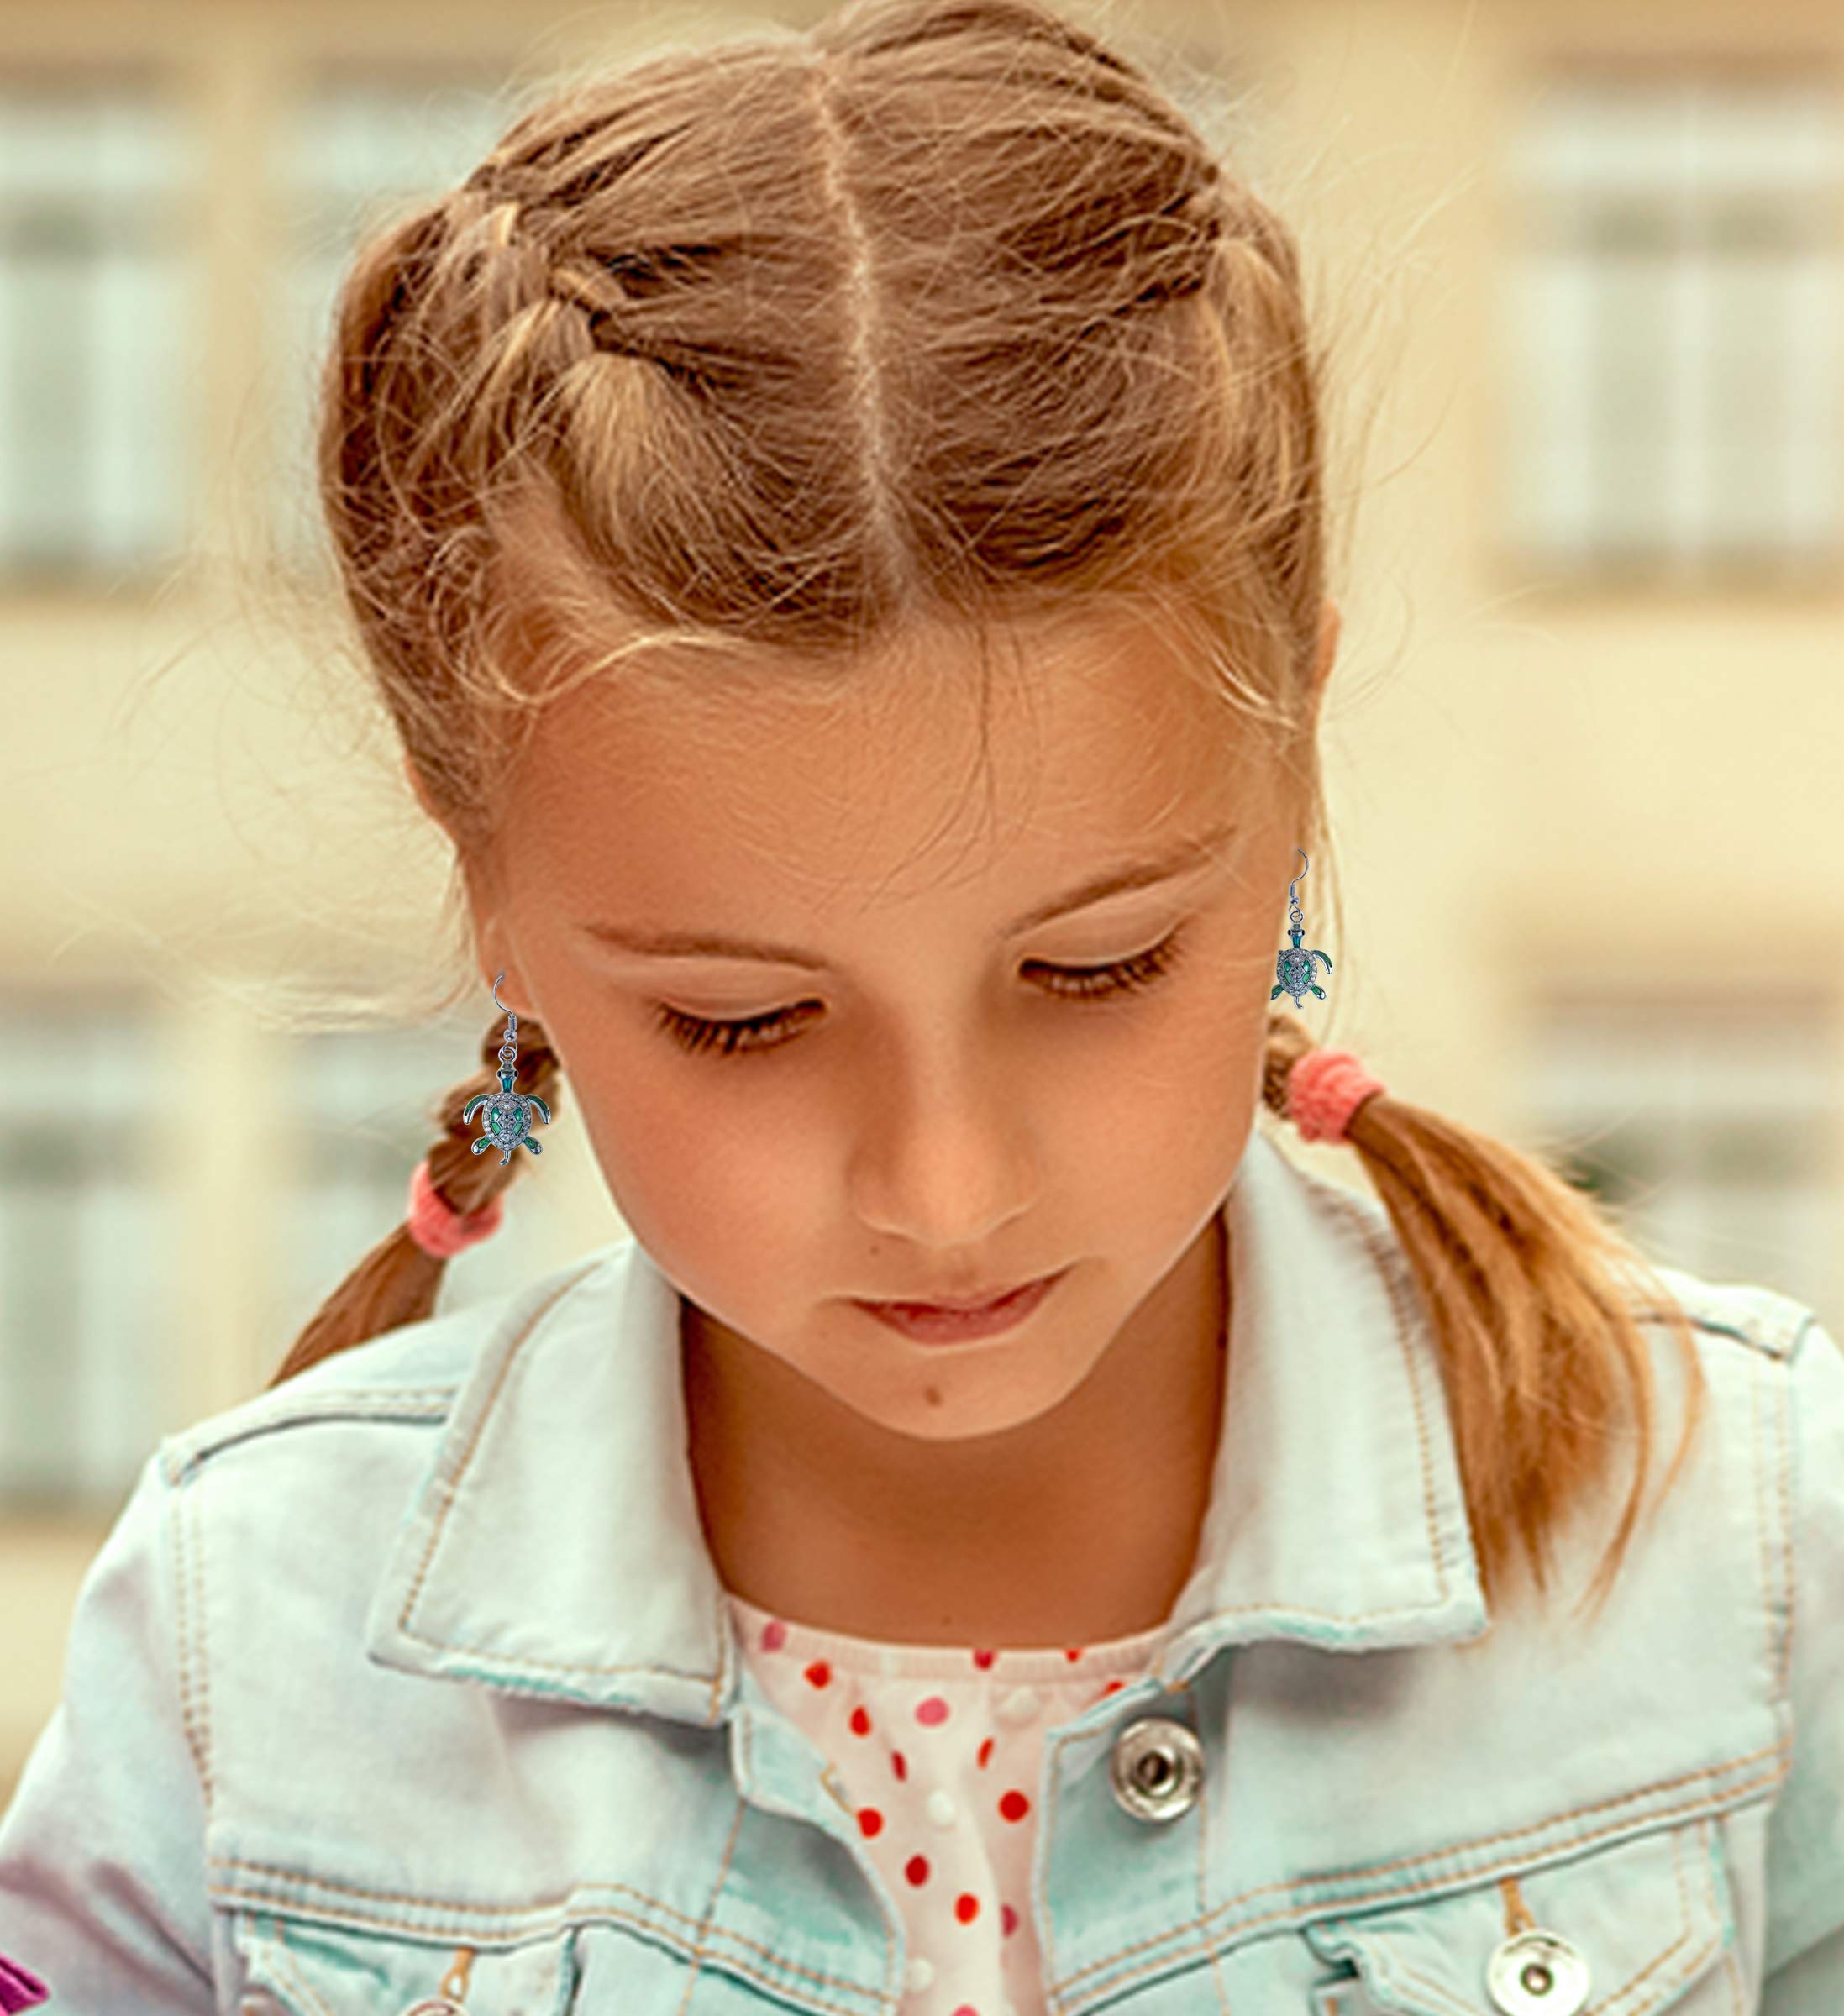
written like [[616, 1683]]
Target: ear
[[416, 784], [1331, 622]]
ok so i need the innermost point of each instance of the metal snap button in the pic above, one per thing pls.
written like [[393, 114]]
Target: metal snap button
[[1537, 1974], [1157, 1769]]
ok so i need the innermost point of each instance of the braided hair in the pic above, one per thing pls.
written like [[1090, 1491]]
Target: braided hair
[[397, 1281], [938, 309]]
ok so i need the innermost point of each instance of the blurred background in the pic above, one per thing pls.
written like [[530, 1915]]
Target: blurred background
[[1585, 744]]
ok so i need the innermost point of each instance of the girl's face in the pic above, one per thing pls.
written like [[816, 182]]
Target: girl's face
[[929, 1096]]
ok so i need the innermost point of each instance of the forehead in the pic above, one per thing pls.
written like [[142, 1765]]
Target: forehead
[[1024, 749]]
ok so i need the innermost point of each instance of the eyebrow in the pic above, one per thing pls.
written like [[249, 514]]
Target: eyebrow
[[1184, 858]]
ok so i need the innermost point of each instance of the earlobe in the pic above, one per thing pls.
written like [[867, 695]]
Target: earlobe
[[415, 785], [1331, 622]]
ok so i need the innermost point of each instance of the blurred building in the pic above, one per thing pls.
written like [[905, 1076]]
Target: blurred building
[[1587, 265]]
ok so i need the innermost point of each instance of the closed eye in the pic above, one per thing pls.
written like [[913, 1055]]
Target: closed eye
[[770, 1031]]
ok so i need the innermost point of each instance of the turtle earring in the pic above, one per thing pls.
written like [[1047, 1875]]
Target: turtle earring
[[1294, 969], [508, 1113]]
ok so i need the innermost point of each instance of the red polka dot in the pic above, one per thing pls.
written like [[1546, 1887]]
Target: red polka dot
[[870, 1821], [818, 1674], [966, 2008], [966, 1907], [1072, 1656], [861, 1723], [982, 1660], [1014, 1806], [774, 1635], [985, 1753], [1113, 1687], [933, 1711], [917, 1869], [1009, 1919], [900, 1764]]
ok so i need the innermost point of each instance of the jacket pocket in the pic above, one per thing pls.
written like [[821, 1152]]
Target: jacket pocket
[[300, 1967], [1639, 1926]]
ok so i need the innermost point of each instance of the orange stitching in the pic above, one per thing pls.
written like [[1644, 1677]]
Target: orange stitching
[[1787, 1513], [185, 1576], [288, 1970], [1371, 1900], [1391, 1271], [733, 1941], [467, 1456]]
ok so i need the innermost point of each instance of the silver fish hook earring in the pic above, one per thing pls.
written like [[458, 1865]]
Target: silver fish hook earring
[[1325, 1087], [508, 1118], [1294, 969]]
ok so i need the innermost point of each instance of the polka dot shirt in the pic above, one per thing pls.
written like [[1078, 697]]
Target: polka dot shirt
[[939, 1751]]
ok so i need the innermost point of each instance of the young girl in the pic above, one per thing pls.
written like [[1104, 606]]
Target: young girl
[[759, 443]]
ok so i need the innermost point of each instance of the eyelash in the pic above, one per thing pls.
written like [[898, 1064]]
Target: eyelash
[[758, 1031]]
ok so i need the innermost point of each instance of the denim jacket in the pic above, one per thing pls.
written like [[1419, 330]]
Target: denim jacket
[[410, 1685]]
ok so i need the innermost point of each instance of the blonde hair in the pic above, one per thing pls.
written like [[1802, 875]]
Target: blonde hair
[[940, 312]]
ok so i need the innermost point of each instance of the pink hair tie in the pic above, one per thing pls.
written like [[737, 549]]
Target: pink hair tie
[[437, 1227], [1324, 1089], [20, 1988]]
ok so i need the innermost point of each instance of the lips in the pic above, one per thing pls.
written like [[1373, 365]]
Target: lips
[[961, 1304], [924, 1324]]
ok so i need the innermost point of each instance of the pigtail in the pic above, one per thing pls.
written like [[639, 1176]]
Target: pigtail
[[397, 1282], [1530, 1289]]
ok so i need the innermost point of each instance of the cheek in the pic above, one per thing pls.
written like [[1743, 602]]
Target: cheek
[[1172, 1117], [697, 1171]]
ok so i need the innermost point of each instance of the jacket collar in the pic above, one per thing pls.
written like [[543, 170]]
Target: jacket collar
[[554, 1545]]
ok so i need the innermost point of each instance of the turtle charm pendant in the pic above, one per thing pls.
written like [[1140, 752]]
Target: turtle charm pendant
[[1294, 969], [508, 1118]]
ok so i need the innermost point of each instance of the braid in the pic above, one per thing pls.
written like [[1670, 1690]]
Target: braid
[[1288, 1040], [396, 1282]]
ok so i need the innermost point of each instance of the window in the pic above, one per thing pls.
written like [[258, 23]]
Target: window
[[99, 330], [1674, 327], [1707, 1119], [361, 145], [90, 1254]]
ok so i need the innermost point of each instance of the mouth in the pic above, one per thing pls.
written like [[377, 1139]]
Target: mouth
[[938, 1323], [961, 1305]]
